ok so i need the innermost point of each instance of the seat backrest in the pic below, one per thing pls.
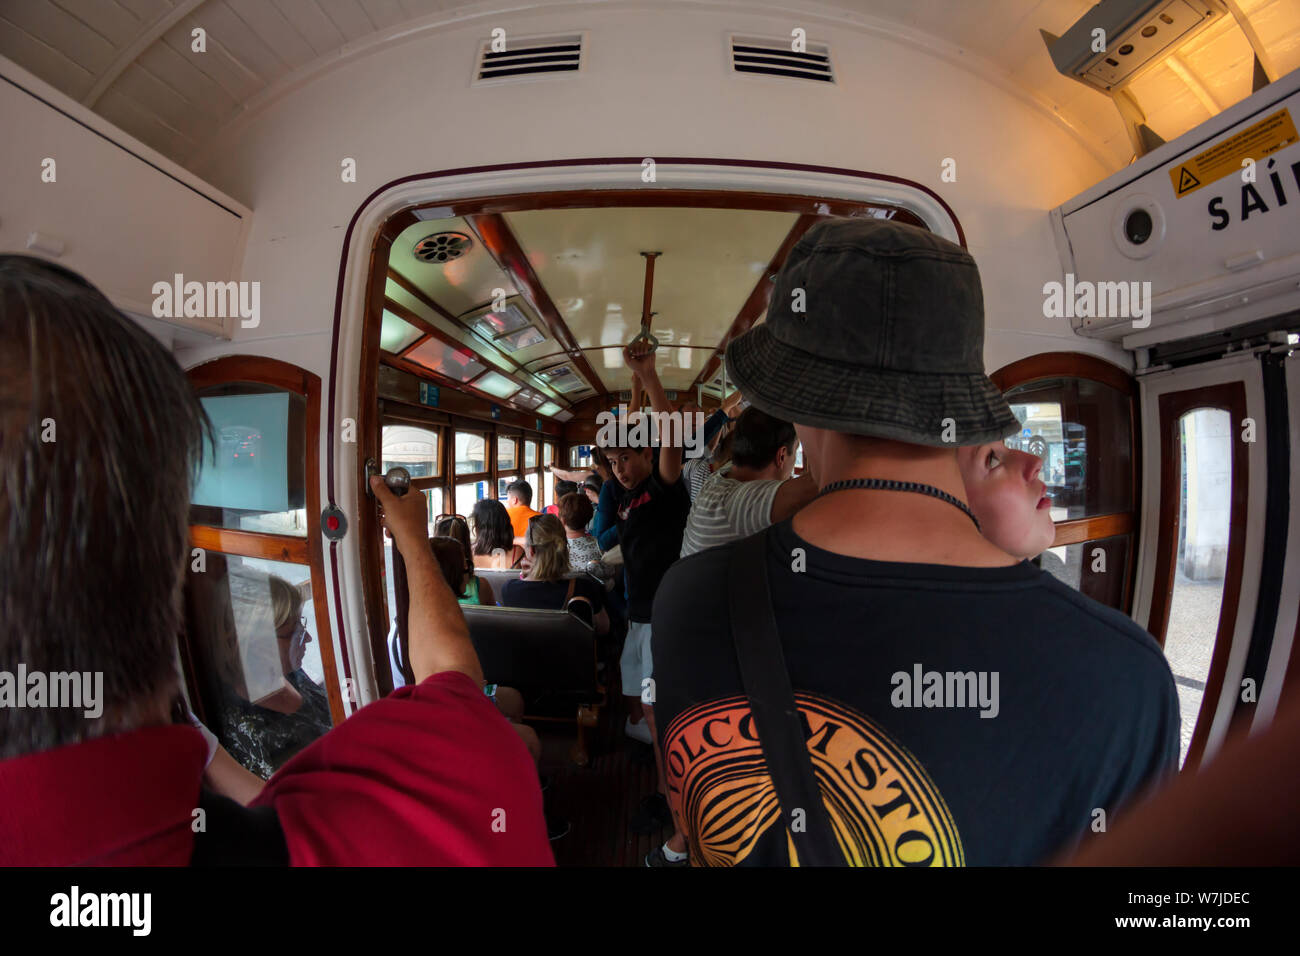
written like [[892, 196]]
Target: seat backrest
[[496, 578], [551, 652]]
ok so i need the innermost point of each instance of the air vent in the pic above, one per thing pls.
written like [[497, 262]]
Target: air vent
[[533, 56], [776, 58], [442, 247]]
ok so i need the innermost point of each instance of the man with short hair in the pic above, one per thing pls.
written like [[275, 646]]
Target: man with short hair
[[757, 489], [519, 501], [873, 681], [100, 436]]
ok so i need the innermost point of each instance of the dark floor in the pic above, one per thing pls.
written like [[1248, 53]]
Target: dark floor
[[600, 798]]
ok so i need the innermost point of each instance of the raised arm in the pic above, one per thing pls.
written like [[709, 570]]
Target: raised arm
[[641, 361], [438, 637], [576, 474]]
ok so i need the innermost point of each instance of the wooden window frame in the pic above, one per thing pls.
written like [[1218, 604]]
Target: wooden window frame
[[1229, 397], [259, 370], [1050, 365]]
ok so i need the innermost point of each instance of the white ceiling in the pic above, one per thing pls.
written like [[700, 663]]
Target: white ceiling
[[128, 59]]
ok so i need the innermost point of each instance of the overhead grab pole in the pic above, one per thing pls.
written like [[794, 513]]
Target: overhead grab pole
[[646, 317]]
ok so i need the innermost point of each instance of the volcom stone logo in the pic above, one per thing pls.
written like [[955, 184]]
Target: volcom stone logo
[[883, 807]]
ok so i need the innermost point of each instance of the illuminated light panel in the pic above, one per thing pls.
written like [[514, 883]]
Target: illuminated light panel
[[396, 333], [496, 384]]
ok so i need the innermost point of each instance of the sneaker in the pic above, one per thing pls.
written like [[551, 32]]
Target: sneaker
[[556, 827], [656, 858], [638, 731], [652, 815]]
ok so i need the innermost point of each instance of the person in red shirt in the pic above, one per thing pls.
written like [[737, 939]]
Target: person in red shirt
[[99, 435]]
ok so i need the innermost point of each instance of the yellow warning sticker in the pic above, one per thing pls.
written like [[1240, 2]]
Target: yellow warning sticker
[[1255, 142]]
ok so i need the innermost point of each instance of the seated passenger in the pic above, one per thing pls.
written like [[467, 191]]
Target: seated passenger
[[901, 627], [477, 590], [94, 544], [222, 773], [604, 523], [519, 505], [584, 552], [264, 735], [546, 584], [753, 491], [494, 538]]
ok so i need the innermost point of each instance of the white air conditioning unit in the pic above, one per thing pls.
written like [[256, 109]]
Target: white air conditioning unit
[[1208, 226]]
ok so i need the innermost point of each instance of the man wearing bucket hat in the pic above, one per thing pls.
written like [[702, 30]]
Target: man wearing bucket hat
[[872, 681]]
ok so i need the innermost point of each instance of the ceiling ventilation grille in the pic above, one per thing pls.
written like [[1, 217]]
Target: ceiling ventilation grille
[[530, 57], [776, 58]]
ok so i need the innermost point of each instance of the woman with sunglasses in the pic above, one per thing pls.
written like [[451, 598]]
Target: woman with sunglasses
[[547, 584]]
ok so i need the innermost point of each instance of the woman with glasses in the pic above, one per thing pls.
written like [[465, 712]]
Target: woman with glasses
[[547, 584], [473, 589]]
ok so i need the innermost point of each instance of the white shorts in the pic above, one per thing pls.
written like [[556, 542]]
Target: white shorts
[[635, 663]]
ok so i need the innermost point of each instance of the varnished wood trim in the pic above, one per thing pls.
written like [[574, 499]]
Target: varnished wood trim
[[1080, 530], [756, 303], [1063, 365], [505, 250], [1172, 406], [267, 371], [659, 198]]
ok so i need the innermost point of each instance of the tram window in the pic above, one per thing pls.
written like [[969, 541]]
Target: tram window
[[530, 454], [506, 453], [434, 497], [470, 492], [580, 456], [415, 449], [471, 453], [252, 476], [1096, 568], [1082, 431], [548, 454], [544, 484], [503, 482], [252, 634], [1205, 463], [798, 457]]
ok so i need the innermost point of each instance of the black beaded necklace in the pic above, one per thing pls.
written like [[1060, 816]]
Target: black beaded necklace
[[889, 484]]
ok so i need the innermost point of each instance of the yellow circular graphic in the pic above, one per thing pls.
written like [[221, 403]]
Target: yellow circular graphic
[[883, 807]]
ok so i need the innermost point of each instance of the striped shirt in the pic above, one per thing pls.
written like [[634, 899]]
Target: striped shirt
[[696, 472], [726, 510]]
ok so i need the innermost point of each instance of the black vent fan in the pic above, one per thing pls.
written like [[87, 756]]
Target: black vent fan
[[442, 247], [530, 57], [776, 58]]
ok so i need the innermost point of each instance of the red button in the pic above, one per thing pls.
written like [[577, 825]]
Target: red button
[[332, 523]]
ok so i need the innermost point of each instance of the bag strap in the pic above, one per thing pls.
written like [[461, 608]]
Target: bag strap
[[766, 682]]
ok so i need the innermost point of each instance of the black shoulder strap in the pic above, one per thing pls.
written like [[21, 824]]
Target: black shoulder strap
[[766, 682], [235, 835]]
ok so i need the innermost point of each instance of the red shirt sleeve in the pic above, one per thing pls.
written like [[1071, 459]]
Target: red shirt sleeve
[[432, 775]]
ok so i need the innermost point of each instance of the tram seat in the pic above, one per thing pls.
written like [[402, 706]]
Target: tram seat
[[548, 656], [496, 578]]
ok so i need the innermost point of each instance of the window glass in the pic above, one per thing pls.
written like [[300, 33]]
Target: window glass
[[496, 384], [1096, 568], [395, 333], [548, 453], [530, 454], [434, 497], [252, 477], [502, 483], [415, 449], [505, 453], [580, 456], [543, 487], [468, 493], [521, 339], [252, 630], [1081, 430], [471, 453], [1205, 437]]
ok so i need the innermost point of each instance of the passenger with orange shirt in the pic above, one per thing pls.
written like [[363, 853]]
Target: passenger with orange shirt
[[519, 501]]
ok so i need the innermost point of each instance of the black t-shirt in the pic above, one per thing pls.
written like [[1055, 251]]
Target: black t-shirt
[[1086, 713], [549, 595], [651, 519]]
